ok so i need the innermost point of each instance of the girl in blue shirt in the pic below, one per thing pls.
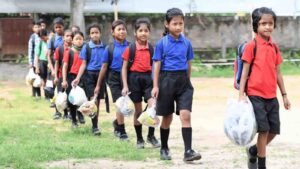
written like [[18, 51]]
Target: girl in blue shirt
[[172, 69], [112, 62]]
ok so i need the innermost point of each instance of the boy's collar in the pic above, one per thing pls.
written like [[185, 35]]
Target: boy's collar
[[261, 40], [93, 45], [125, 43], [180, 38], [140, 47]]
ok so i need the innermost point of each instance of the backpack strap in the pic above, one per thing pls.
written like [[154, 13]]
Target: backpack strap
[[71, 58], [251, 65], [151, 50], [61, 55], [88, 53], [132, 49], [111, 48]]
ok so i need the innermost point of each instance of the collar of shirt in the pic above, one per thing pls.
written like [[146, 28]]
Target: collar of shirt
[[140, 47], [57, 36], [125, 43], [172, 39], [93, 45], [66, 45], [262, 41]]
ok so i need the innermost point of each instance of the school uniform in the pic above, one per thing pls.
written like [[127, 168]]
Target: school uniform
[[93, 68], [57, 57], [41, 51], [53, 44], [114, 75], [174, 84], [139, 74], [262, 83]]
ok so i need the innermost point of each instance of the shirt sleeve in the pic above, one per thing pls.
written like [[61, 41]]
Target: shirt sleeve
[[56, 54], [30, 57], [190, 52], [158, 52], [278, 55], [83, 53], [248, 53], [37, 49], [125, 55], [66, 56], [49, 43], [105, 56]]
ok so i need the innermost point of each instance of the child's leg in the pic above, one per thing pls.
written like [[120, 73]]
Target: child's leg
[[95, 129], [185, 117], [262, 141], [137, 124], [165, 130]]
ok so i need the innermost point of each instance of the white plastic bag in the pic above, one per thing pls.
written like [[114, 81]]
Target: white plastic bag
[[149, 117], [61, 101], [49, 83], [77, 96], [37, 81], [30, 77], [125, 105], [88, 108], [240, 123]]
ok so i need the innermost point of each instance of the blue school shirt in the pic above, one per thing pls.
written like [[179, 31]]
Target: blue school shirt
[[58, 41], [117, 61], [96, 55], [178, 53]]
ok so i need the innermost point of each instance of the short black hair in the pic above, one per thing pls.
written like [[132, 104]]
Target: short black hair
[[140, 21], [41, 20], [171, 13], [94, 25], [43, 32], [257, 14], [76, 33], [117, 23], [59, 21], [36, 23]]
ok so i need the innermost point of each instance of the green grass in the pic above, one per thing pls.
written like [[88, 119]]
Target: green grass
[[287, 68], [28, 136]]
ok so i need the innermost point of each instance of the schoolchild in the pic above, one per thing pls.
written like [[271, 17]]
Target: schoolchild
[[32, 43], [71, 66], [262, 69], [58, 57], [53, 43], [111, 66], [172, 70], [91, 55], [137, 79], [75, 28], [41, 61]]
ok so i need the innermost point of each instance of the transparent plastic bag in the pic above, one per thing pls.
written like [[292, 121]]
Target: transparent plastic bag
[[89, 108], [37, 81], [61, 101], [149, 117], [77, 96], [30, 77], [125, 105], [240, 123], [49, 83]]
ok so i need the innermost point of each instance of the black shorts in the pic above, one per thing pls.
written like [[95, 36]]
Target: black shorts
[[267, 114], [174, 86], [90, 82], [140, 85], [43, 66], [115, 84]]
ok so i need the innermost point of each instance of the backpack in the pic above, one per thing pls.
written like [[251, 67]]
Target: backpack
[[32, 37], [132, 49], [238, 64], [61, 50], [71, 58], [111, 48]]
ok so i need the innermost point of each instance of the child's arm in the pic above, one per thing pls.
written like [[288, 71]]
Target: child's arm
[[30, 49], [281, 86], [64, 75], [155, 89], [50, 65], [80, 73], [245, 72], [56, 55], [101, 77], [36, 59], [189, 68], [125, 89]]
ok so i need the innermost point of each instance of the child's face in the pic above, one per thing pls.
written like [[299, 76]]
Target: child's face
[[44, 38], [35, 28], [95, 34], [265, 26], [68, 37], [175, 26], [78, 40], [58, 28], [43, 26], [119, 33], [142, 34]]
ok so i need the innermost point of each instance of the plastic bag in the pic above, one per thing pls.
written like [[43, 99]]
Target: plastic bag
[[49, 92], [149, 117], [49, 83], [61, 101], [124, 105], [88, 108], [240, 123], [77, 96], [30, 77], [37, 81]]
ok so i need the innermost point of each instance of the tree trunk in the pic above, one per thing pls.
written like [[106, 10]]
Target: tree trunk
[[77, 15]]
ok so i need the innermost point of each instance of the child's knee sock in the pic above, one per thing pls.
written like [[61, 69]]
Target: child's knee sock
[[187, 137], [261, 162], [164, 136], [151, 131], [138, 130]]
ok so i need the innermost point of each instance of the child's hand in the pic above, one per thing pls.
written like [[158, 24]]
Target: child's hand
[[96, 91], [154, 92], [75, 82], [64, 84], [242, 99], [37, 70], [125, 91], [286, 102], [55, 80]]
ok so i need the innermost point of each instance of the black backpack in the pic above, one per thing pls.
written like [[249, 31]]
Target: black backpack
[[132, 49]]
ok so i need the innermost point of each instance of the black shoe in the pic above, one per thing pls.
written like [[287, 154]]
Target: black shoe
[[252, 159], [57, 115], [80, 118], [123, 136], [65, 117], [165, 154], [140, 144], [191, 155], [153, 141], [96, 131], [74, 125]]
